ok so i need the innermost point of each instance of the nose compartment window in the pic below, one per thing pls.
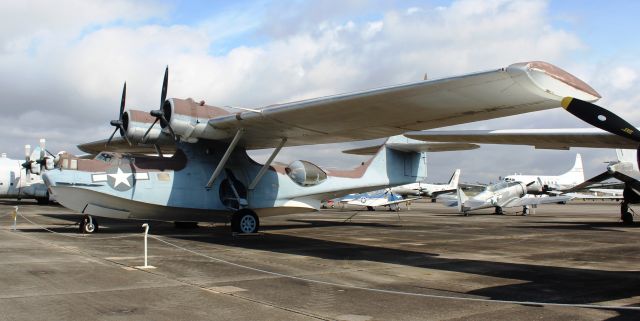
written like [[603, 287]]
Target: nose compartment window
[[305, 173]]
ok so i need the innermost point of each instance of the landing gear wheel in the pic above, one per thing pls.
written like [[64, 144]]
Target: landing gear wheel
[[370, 208], [245, 221], [499, 211], [433, 200], [88, 225], [627, 218], [525, 210]]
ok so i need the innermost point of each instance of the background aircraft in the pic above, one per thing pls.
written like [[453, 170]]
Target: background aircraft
[[543, 184], [211, 178], [503, 195], [20, 179], [613, 132], [371, 200], [428, 190]]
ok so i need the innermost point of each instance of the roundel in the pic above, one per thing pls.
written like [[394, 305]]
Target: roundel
[[120, 178]]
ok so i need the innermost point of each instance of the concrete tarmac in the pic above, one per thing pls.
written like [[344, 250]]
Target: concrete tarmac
[[574, 254]]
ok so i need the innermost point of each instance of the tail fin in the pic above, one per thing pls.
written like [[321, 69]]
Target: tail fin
[[453, 182], [462, 197], [627, 156], [576, 173]]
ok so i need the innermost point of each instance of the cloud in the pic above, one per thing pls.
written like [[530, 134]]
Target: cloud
[[63, 71]]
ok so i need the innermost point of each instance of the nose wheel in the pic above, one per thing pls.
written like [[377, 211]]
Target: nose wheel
[[245, 221], [88, 225]]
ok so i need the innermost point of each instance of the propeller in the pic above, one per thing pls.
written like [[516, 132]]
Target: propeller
[[45, 161], [118, 123], [159, 113], [603, 119], [27, 160]]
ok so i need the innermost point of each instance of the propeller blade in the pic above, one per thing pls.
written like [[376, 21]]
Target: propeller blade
[[601, 118], [531, 183], [111, 137], [165, 83], [122, 101], [43, 144], [27, 152], [144, 137], [50, 153]]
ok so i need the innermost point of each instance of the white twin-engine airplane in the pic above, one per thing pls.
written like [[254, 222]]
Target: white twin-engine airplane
[[211, 178], [546, 184], [20, 179], [428, 190], [502, 195]]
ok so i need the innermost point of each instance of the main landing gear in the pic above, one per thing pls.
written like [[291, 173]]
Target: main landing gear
[[245, 221], [625, 214], [88, 225], [498, 211]]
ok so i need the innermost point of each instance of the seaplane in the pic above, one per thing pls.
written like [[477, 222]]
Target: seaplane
[[187, 162]]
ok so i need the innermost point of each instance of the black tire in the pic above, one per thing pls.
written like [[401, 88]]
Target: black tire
[[433, 200], [88, 226], [627, 218], [245, 221], [42, 200], [499, 211], [370, 208]]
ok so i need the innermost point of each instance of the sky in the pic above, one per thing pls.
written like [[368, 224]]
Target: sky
[[63, 63]]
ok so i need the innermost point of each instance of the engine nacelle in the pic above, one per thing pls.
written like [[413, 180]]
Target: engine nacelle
[[136, 123], [190, 120]]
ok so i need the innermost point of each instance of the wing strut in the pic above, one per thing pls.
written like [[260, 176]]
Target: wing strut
[[266, 165], [225, 157]]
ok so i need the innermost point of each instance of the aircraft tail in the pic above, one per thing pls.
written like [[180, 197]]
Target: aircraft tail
[[576, 173], [627, 156], [453, 182]]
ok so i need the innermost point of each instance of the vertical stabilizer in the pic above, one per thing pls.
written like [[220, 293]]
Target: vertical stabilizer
[[453, 182], [576, 174]]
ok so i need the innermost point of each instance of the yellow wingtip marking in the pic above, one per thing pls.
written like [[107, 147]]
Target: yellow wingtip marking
[[565, 102]]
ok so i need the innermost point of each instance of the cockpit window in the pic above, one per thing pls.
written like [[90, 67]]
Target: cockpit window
[[305, 173]]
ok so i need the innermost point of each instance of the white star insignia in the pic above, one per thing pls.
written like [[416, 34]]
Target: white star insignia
[[121, 178]]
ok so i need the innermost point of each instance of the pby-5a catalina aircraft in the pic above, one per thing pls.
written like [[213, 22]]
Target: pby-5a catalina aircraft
[[614, 132], [210, 177], [502, 195], [21, 180], [371, 200], [428, 190], [547, 184]]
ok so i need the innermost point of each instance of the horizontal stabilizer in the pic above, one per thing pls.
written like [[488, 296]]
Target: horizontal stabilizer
[[413, 147]]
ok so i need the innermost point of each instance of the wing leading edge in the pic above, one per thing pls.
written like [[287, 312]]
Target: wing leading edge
[[517, 89]]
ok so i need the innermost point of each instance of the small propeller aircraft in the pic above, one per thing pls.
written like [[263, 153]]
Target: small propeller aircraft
[[612, 132], [210, 177], [371, 200], [21, 179], [502, 195], [428, 190]]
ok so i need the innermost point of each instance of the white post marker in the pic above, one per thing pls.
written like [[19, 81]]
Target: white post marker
[[15, 217], [146, 232]]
